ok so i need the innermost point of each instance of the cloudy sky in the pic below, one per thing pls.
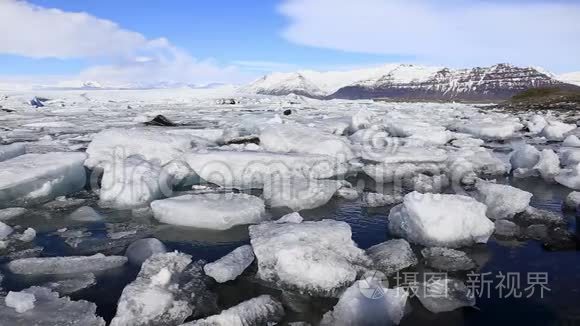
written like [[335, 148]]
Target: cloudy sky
[[235, 41]]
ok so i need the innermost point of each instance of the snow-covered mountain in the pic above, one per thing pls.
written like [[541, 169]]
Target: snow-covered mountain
[[412, 82], [570, 78]]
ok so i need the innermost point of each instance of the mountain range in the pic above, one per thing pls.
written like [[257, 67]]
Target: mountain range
[[413, 82]]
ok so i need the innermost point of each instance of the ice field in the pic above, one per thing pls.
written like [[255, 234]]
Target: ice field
[[282, 210]]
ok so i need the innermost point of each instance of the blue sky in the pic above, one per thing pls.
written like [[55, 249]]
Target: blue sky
[[244, 39]]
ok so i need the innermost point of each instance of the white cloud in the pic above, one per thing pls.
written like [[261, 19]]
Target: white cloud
[[127, 56], [453, 32]]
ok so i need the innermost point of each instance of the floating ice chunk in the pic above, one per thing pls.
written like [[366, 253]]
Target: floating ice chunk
[[555, 130], [85, 214], [153, 145], [368, 303], [392, 256], [315, 258], [502, 201], [140, 250], [12, 212], [425, 183], [524, 157], [445, 259], [231, 265], [50, 310], [440, 220], [570, 156], [299, 193], [570, 177], [506, 228], [373, 199], [41, 177], [132, 182], [158, 296], [28, 235], [288, 138], [73, 284], [263, 310], [361, 120], [572, 200], [5, 231], [290, 218], [210, 211], [536, 124], [20, 301], [492, 129], [247, 170], [571, 141], [347, 193], [65, 265], [401, 172], [442, 295], [549, 165], [10, 151]]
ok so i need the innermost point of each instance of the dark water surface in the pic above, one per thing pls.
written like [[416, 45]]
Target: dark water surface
[[559, 306]]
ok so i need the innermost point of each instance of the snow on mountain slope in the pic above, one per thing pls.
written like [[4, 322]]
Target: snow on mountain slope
[[571, 78], [412, 82], [314, 83]]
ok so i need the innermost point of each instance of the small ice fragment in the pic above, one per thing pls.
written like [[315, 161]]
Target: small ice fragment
[[140, 250], [290, 218], [20, 301], [392, 256], [231, 265], [65, 265]]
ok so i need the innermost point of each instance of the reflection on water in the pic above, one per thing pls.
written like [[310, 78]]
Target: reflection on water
[[369, 227]]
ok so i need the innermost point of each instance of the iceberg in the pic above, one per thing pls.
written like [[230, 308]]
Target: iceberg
[[151, 144], [251, 170], [287, 138], [436, 220], [298, 193], [314, 258], [502, 201], [210, 211], [41, 177], [159, 295], [132, 183]]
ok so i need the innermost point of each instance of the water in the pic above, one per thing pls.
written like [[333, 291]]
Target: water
[[369, 227]]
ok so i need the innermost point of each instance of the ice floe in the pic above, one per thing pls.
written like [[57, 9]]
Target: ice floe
[[316, 258], [502, 201], [247, 170], [298, 193], [262, 310], [41, 177], [65, 265], [440, 220], [392, 256], [140, 250], [210, 211], [50, 310], [231, 265], [161, 294]]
